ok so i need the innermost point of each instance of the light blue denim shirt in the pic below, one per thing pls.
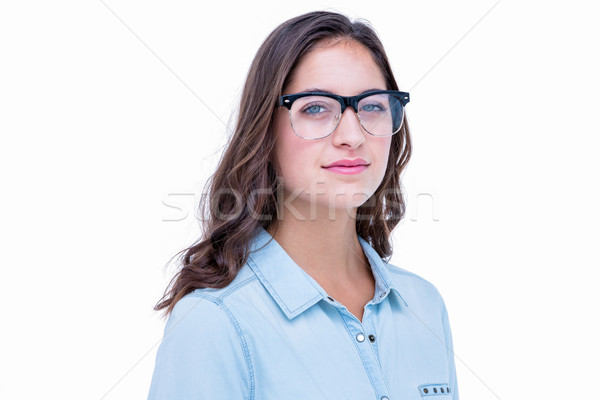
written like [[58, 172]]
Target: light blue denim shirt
[[274, 333]]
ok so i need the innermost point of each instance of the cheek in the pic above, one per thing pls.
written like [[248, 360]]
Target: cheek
[[382, 149], [292, 154], [280, 141], [295, 165]]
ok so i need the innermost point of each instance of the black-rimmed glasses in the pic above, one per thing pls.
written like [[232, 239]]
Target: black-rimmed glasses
[[315, 115]]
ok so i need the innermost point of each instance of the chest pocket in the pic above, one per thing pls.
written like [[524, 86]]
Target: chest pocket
[[435, 391]]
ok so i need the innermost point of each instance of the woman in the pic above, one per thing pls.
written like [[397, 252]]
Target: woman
[[286, 295]]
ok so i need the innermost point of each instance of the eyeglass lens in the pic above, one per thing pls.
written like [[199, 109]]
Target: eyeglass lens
[[314, 117]]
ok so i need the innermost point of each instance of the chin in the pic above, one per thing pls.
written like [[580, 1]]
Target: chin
[[350, 201]]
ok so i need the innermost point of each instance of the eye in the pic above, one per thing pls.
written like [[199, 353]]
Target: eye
[[314, 108], [372, 107]]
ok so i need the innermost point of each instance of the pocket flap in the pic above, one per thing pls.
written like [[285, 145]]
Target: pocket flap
[[440, 390]]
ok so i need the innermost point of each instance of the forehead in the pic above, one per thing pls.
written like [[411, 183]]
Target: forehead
[[344, 67]]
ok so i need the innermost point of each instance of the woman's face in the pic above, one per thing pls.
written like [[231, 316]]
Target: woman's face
[[345, 68]]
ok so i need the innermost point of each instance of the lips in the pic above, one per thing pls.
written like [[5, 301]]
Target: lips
[[347, 167], [347, 163]]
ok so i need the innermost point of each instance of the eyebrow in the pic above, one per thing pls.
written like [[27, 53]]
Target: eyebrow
[[327, 91]]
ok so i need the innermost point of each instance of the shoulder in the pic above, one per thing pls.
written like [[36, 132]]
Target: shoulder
[[210, 305], [215, 311], [203, 352], [199, 316], [201, 328], [402, 275], [219, 296], [414, 288]]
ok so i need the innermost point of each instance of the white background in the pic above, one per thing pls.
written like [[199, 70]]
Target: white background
[[110, 110]]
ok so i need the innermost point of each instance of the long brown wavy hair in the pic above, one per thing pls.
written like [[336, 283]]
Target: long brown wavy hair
[[241, 193]]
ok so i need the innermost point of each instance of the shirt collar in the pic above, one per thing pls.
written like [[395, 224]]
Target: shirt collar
[[291, 287]]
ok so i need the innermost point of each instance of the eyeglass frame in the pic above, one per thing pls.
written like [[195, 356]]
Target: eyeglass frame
[[345, 101]]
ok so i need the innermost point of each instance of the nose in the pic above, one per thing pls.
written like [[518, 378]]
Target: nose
[[348, 131]]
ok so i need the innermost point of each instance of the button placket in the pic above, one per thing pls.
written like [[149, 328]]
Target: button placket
[[359, 332], [372, 334]]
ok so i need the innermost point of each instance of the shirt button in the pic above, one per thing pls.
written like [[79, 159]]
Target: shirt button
[[372, 338], [330, 299], [360, 337], [385, 398], [381, 297]]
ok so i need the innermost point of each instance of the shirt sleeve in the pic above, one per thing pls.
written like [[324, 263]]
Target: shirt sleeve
[[450, 350], [201, 355]]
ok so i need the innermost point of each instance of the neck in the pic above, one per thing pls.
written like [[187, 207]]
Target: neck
[[325, 244]]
